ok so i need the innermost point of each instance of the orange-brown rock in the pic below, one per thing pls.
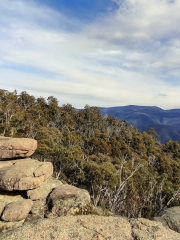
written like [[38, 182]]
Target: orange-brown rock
[[16, 147], [24, 175]]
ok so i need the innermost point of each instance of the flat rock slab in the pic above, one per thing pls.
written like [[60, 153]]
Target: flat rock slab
[[16, 211], [16, 147], [68, 200], [24, 175], [74, 227], [144, 229], [43, 191]]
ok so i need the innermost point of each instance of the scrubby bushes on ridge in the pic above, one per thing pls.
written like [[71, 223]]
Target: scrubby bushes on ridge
[[125, 171]]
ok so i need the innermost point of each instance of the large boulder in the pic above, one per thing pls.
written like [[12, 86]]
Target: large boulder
[[8, 197], [68, 200], [144, 229], [16, 211], [74, 227], [172, 217], [11, 199], [24, 175], [16, 147]]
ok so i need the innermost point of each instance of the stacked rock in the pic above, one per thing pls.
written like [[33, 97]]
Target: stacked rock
[[27, 190]]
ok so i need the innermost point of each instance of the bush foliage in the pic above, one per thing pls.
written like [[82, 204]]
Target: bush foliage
[[127, 172]]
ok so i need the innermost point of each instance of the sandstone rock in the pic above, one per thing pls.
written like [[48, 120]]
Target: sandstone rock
[[68, 200], [16, 211], [172, 218], [74, 227], [22, 175], [43, 191], [144, 229], [16, 147]]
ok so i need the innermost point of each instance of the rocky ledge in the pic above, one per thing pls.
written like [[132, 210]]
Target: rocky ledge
[[92, 227]]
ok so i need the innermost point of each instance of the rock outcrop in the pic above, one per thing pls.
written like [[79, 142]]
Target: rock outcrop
[[92, 227], [18, 174], [74, 227], [26, 185]]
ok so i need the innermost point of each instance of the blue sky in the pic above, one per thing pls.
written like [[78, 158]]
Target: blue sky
[[98, 52], [81, 8]]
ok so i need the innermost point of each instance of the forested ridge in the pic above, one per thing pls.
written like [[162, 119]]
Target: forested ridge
[[165, 122], [127, 172]]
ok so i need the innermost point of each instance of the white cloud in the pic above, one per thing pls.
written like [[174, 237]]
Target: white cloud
[[129, 56]]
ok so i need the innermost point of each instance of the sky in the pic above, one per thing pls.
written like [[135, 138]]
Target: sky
[[98, 52]]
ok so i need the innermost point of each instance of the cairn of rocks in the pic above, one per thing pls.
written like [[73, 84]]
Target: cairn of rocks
[[28, 191]]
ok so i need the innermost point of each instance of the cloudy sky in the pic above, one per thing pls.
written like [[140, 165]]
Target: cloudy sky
[[97, 52]]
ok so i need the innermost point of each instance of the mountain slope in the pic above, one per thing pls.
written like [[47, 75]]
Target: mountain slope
[[165, 122], [126, 172]]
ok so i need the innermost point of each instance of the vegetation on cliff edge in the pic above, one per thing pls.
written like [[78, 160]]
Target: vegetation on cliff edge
[[128, 172]]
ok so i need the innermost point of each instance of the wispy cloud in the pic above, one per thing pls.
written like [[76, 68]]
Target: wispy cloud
[[125, 56]]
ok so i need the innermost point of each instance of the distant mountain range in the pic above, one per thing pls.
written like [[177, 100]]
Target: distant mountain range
[[165, 122]]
